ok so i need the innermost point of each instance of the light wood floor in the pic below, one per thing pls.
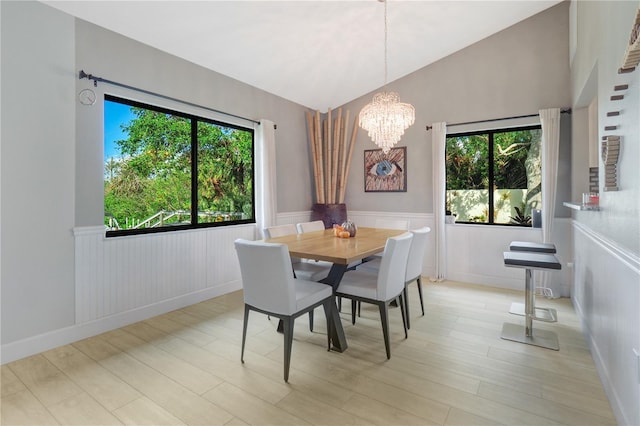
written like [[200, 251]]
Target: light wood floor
[[184, 368]]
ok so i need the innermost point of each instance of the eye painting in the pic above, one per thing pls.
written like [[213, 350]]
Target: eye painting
[[385, 172]]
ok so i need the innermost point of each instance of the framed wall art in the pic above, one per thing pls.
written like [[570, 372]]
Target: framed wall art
[[385, 172]]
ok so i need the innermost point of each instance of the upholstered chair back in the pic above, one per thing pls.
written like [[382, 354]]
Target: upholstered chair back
[[267, 280]]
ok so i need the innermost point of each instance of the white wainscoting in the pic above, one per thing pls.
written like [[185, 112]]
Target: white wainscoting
[[474, 254], [123, 280], [121, 274], [607, 299]]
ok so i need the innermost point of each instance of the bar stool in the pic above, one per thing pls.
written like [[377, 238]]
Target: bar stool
[[530, 261], [541, 314]]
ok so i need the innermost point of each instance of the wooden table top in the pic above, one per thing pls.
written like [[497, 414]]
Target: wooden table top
[[323, 245]]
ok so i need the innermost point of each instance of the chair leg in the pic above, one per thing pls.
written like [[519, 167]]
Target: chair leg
[[288, 342], [419, 281], [327, 305], [311, 321], [406, 306], [384, 318], [339, 304], [244, 331], [405, 317], [353, 311], [359, 306]]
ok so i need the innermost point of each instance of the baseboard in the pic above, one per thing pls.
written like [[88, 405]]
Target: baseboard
[[493, 281], [46, 341]]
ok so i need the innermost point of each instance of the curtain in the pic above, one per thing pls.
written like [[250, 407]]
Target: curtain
[[550, 121], [265, 160], [438, 140]]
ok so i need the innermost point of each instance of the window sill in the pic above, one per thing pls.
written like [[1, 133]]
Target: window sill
[[581, 207], [492, 226]]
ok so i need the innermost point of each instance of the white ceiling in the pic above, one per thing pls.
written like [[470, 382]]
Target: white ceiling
[[320, 54]]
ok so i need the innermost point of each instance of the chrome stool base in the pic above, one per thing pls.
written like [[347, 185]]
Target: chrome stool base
[[526, 334], [542, 338], [541, 314]]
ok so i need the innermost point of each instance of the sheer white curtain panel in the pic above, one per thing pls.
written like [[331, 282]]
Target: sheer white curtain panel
[[266, 195], [550, 122], [438, 141]]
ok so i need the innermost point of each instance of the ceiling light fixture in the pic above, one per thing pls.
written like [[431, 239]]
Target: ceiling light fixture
[[385, 118]]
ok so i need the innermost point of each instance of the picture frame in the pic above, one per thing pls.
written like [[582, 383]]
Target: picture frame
[[385, 172]]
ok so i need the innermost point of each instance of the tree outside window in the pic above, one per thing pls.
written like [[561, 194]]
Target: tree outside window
[[150, 166], [495, 176]]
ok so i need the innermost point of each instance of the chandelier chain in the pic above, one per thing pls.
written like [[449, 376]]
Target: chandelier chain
[[385, 46]]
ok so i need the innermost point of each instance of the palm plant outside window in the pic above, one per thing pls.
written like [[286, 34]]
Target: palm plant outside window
[[494, 177], [168, 170]]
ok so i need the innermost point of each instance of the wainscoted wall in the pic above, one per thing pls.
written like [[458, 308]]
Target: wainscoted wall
[[116, 275], [123, 280], [606, 297], [474, 255]]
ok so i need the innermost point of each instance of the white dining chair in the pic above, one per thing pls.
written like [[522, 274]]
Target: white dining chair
[[383, 223], [414, 267], [402, 224], [383, 286], [279, 230], [270, 288], [302, 268], [315, 225], [308, 270]]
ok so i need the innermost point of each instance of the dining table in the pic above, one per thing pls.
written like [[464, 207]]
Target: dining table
[[342, 253]]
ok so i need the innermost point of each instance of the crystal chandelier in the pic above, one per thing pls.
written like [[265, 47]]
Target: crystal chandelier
[[385, 118]]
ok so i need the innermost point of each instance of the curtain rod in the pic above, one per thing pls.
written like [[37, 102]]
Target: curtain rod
[[95, 79], [562, 111]]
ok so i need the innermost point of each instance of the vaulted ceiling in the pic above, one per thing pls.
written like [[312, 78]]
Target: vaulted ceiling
[[320, 54]]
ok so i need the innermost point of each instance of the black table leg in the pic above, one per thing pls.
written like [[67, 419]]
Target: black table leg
[[338, 340]]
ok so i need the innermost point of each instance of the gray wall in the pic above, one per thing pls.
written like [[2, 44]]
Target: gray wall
[[517, 71], [37, 167]]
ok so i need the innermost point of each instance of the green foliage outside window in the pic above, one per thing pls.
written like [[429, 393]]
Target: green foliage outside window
[[149, 183], [494, 176]]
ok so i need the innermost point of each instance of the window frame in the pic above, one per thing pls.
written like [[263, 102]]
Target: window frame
[[194, 120], [490, 168]]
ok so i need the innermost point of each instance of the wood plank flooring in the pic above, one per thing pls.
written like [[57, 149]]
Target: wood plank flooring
[[183, 368]]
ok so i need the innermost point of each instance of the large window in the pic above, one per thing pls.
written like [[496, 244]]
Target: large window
[[494, 177], [166, 170]]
